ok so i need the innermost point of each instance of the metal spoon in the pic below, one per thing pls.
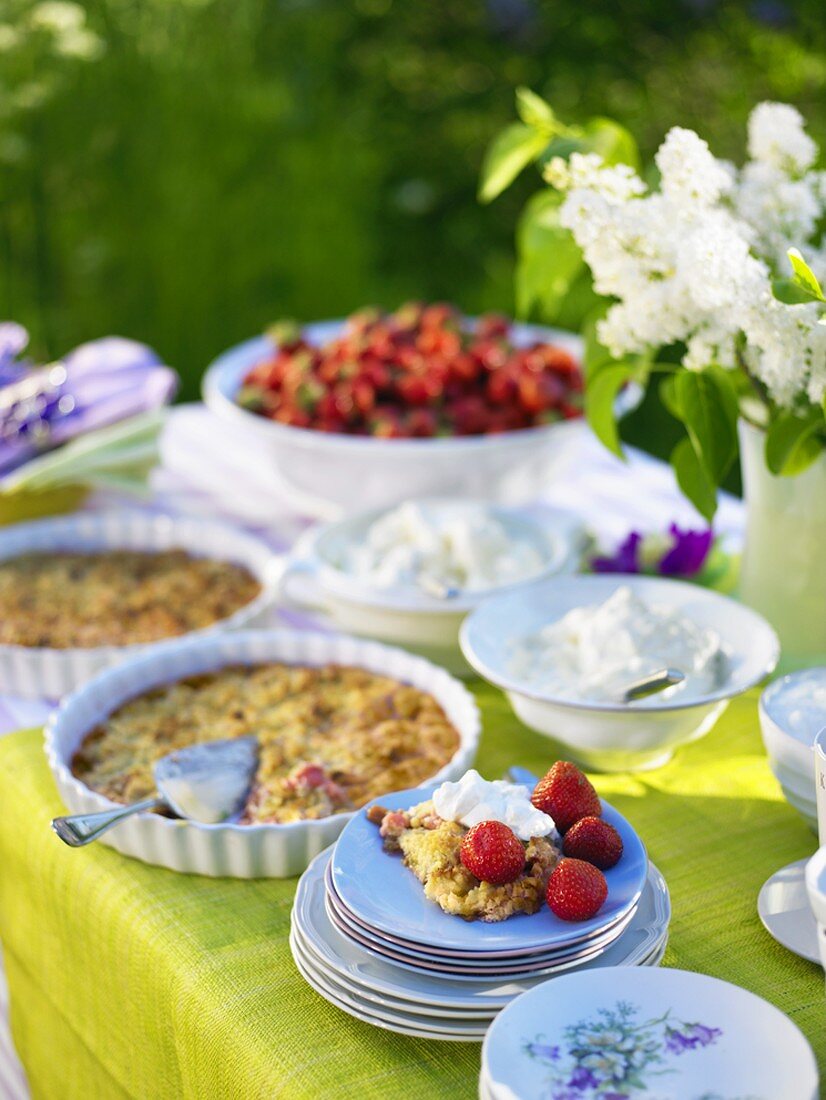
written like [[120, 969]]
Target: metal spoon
[[651, 684], [440, 589], [206, 783]]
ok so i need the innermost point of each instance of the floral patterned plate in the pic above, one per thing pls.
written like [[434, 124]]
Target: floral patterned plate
[[620, 1034]]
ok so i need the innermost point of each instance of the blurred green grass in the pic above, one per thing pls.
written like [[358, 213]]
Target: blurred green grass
[[211, 165]]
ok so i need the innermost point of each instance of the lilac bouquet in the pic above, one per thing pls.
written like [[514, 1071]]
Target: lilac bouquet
[[101, 383]]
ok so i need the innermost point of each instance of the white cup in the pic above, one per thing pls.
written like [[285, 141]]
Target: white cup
[[820, 784]]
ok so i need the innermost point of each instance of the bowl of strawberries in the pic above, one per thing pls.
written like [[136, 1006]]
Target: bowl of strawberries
[[372, 410]]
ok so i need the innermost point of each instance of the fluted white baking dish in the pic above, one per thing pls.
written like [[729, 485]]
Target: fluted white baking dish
[[45, 673], [241, 851]]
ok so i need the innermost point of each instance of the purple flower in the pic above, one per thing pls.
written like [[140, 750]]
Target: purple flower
[[542, 1050], [690, 1038], [582, 1078], [624, 560], [688, 554]]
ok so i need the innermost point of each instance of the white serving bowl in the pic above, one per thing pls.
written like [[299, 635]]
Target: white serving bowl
[[333, 474], [46, 673], [788, 736], [240, 851], [614, 736], [314, 580]]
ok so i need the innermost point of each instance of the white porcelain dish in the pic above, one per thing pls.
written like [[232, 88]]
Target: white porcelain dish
[[783, 907], [314, 580], [331, 474], [240, 851], [615, 736], [677, 1034], [45, 673]]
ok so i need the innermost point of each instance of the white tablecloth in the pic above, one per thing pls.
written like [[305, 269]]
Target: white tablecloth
[[213, 470]]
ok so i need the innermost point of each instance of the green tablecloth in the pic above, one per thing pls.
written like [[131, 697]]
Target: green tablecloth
[[132, 981]]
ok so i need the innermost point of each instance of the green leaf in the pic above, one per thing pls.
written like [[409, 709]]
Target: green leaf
[[788, 292], [693, 479], [708, 406], [613, 142], [794, 442], [561, 146], [509, 152], [549, 259], [669, 398], [534, 111], [600, 398], [804, 278], [595, 355]]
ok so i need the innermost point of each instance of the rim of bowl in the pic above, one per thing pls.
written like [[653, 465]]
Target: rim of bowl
[[468, 738], [725, 691], [561, 549], [317, 331], [266, 572]]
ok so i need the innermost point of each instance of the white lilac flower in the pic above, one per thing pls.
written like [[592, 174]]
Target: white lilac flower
[[693, 262], [777, 137], [688, 170]]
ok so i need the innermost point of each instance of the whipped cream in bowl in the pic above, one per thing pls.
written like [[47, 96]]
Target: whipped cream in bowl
[[563, 649], [473, 799], [409, 575], [431, 545], [594, 652]]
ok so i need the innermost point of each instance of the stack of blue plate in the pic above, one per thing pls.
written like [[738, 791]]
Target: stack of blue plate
[[365, 936]]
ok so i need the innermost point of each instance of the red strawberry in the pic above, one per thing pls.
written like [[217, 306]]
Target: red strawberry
[[576, 890], [595, 841], [566, 795], [493, 853]]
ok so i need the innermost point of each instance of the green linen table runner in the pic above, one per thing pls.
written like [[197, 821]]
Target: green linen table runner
[[132, 981]]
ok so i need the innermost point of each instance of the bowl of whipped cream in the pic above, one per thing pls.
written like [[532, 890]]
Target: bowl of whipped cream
[[410, 575], [564, 650]]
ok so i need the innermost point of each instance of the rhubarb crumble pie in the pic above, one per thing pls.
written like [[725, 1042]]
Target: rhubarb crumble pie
[[331, 738], [63, 600]]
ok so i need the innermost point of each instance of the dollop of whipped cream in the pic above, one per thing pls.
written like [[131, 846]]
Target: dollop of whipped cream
[[454, 543], [594, 652], [473, 799]]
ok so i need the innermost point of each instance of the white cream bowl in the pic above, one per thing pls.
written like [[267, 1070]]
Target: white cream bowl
[[239, 851], [791, 756], [48, 673], [315, 580], [330, 474], [607, 736]]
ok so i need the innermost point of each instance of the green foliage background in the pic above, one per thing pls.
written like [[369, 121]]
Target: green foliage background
[[221, 163]]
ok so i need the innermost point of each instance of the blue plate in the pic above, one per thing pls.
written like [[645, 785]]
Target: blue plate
[[382, 893]]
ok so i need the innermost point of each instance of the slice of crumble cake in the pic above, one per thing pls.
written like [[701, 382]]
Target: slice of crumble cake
[[431, 848]]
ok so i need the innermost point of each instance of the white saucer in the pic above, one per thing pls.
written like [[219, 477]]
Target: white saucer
[[783, 906]]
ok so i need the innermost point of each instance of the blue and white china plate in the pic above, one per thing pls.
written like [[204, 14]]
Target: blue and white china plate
[[492, 958], [376, 978], [653, 1034], [537, 966], [376, 887], [472, 969]]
